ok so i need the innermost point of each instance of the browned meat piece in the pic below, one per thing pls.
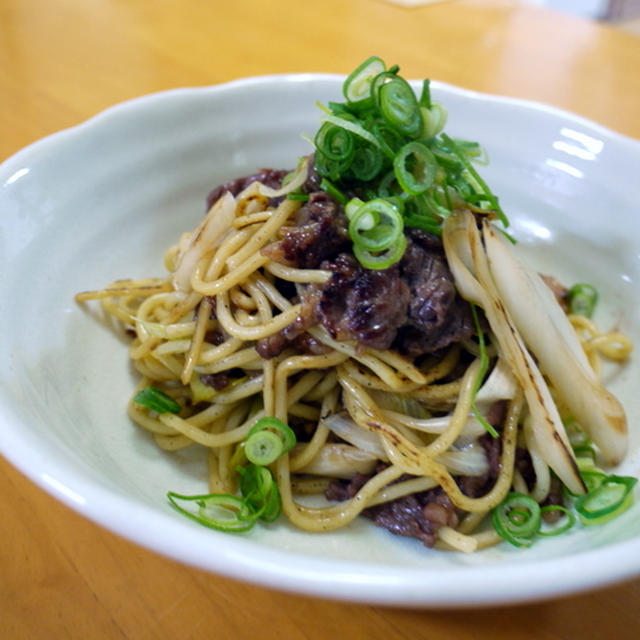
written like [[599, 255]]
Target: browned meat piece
[[216, 380], [320, 233], [412, 306], [431, 284], [269, 177], [419, 515], [365, 304]]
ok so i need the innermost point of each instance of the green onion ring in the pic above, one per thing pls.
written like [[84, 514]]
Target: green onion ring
[[263, 447], [383, 260], [556, 531], [399, 106], [387, 227], [267, 440], [335, 142], [418, 178], [220, 511], [517, 519], [260, 491], [357, 87], [582, 299], [611, 498], [366, 163]]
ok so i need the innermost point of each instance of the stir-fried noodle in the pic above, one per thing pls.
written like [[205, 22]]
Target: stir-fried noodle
[[404, 426]]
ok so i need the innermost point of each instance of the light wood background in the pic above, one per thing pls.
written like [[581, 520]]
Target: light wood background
[[62, 61]]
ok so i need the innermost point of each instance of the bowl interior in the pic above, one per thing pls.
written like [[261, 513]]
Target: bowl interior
[[104, 200]]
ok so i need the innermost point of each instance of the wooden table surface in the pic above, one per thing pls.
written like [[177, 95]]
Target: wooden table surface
[[62, 61]]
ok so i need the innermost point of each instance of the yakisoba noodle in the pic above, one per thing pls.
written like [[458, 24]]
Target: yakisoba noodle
[[232, 293], [484, 426]]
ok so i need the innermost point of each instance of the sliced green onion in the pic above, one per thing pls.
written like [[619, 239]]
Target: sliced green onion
[[593, 478], [357, 86], [220, 511], [415, 168], [353, 127], [333, 191], [335, 142], [433, 120], [426, 223], [327, 168], [260, 491], [610, 499], [367, 162], [267, 440], [476, 176], [425, 96], [263, 447], [385, 231], [388, 185], [444, 157], [389, 139], [517, 519], [352, 206], [585, 457], [484, 365], [399, 106], [382, 260], [428, 202], [383, 124], [582, 299], [299, 197], [382, 78], [156, 400], [569, 521], [577, 436]]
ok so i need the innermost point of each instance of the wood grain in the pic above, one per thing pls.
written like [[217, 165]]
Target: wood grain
[[61, 62]]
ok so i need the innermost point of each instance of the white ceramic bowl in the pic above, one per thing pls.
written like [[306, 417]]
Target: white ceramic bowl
[[104, 199]]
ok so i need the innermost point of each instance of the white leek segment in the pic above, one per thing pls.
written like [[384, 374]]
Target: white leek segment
[[500, 385], [204, 238], [551, 338], [468, 458], [338, 461], [346, 428], [468, 262]]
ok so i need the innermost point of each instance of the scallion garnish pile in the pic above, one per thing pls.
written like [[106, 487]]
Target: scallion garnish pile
[[386, 144]]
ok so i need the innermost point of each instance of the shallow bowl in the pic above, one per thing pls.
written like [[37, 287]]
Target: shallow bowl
[[103, 200]]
